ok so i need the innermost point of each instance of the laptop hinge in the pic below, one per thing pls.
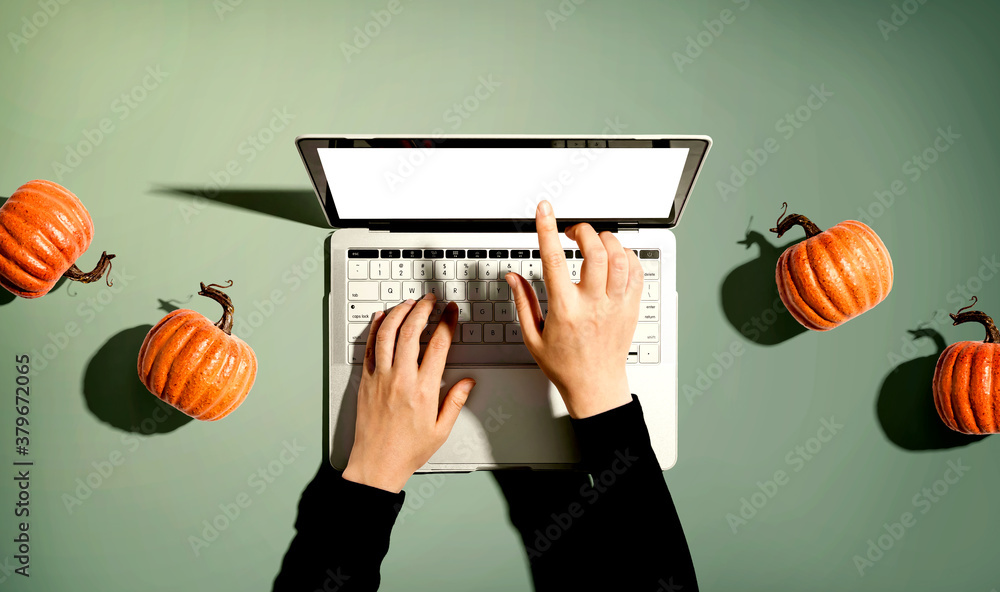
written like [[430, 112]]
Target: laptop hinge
[[378, 227], [628, 225]]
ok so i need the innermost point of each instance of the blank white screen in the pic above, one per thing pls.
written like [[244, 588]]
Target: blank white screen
[[502, 183]]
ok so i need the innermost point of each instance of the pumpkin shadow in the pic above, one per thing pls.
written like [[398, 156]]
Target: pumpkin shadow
[[749, 295], [116, 396], [905, 404], [289, 204], [6, 297]]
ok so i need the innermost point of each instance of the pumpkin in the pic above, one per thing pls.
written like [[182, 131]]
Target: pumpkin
[[44, 228], [833, 275], [967, 379], [197, 366]]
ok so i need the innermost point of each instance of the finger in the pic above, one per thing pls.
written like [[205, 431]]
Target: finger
[[377, 319], [385, 340], [408, 345], [529, 313], [554, 271], [594, 272], [636, 276], [436, 353], [618, 265], [453, 402]]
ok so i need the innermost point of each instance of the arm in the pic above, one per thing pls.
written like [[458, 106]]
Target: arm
[[629, 526]]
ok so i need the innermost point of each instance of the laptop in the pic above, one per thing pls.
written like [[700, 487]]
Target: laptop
[[451, 215]]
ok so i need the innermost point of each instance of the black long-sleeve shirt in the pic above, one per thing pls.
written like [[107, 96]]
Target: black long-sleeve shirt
[[619, 533]]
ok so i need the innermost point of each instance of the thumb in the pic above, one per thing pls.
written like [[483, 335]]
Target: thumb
[[457, 395], [529, 314]]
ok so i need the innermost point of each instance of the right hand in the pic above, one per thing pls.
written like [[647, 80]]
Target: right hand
[[590, 325]]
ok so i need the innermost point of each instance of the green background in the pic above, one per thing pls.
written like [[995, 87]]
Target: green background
[[606, 61]]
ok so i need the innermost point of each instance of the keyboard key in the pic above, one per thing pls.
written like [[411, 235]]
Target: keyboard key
[[531, 270], [356, 353], [412, 253], [413, 290], [650, 268], [455, 253], [633, 354], [357, 270], [362, 253], [646, 333], [456, 337], [477, 291], [536, 254], [488, 270], [444, 270], [482, 312], [433, 253], [437, 311], [649, 312], [579, 254], [436, 288], [597, 143], [540, 291], [378, 270], [357, 332], [503, 311], [477, 254], [391, 291], [454, 290], [649, 353], [576, 143], [422, 270], [361, 312], [520, 253], [499, 291], [472, 333], [508, 266], [362, 290], [513, 333], [425, 335], [498, 254], [493, 333], [649, 254], [464, 313], [466, 270], [650, 291], [390, 253], [400, 270]]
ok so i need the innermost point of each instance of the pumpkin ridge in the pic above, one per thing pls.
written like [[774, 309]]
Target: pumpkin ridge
[[869, 255], [232, 383], [68, 202], [976, 375], [56, 213], [32, 238], [155, 338], [13, 272], [840, 290], [948, 383], [994, 408], [816, 298], [160, 368], [963, 364], [859, 268], [797, 306], [178, 374], [938, 381], [880, 252], [195, 394], [153, 331], [246, 352], [223, 380], [984, 416]]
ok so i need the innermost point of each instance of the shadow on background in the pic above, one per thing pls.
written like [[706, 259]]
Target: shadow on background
[[116, 396], [905, 406], [750, 298], [290, 204]]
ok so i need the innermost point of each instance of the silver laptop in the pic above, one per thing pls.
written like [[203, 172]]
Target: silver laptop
[[451, 215]]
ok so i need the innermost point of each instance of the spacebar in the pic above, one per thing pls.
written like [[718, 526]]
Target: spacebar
[[489, 354]]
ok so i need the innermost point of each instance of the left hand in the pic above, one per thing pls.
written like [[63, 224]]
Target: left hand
[[399, 424]]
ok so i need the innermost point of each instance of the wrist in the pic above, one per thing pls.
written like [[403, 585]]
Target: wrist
[[596, 398], [381, 479]]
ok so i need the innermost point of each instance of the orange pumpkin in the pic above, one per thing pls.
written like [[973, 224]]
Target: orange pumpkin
[[44, 228], [199, 367], [967, 379], [833, 275]]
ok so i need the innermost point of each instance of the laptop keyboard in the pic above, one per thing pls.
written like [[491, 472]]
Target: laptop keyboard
[[488, 330]]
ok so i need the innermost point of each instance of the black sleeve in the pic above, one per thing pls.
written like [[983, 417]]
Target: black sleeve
[[628, 514], [342, 535]]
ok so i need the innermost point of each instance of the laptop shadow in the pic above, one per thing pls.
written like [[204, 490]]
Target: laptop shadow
[[749, 295], [905, 405], [294, 205]]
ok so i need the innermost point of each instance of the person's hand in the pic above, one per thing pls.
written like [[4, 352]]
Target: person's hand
[[399, 424], [589, 326]]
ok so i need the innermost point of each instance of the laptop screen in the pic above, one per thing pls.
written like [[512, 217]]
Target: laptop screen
[[480, 179]]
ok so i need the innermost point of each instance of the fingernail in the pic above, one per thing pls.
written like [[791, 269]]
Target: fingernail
[[544, 208], [408, 301], [378, 315], [429, 296]]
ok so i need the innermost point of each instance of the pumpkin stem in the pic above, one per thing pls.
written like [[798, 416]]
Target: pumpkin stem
[[226, 322], [74, 273], [785, 223], [976, 316]]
